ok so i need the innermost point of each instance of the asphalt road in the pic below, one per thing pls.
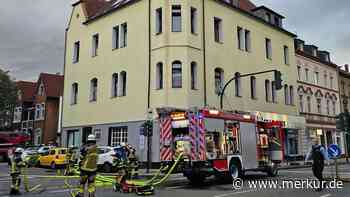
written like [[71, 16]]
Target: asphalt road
[[178, 186]]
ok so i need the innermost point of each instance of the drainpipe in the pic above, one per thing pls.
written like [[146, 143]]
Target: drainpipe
[[204, 54], [149, 138]]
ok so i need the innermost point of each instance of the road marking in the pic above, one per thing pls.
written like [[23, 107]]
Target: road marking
[[59, 191], [326, 195], [175, 187], [233, 194]]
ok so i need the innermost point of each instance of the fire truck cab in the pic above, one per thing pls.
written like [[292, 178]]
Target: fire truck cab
[[220, 143]]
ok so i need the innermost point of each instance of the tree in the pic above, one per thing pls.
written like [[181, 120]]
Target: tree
[[8, 91]]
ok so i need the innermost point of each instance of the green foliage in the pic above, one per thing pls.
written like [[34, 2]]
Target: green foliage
[[8, 91]]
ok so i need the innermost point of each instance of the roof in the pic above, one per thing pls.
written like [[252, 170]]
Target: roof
[[53, 84], [96, 8], [27, 89], [304, 54], [268, 9]]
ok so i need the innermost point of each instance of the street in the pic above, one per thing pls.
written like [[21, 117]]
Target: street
[[177, 185]]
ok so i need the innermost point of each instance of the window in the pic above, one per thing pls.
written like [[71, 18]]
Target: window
[[122, 83], [268, 48], [301, 103], [306, 74], [76, 52], [247, 41], [331, 82], [274, 92], [159, 21], [17, 115], [334, 108], [238, 84], [325, 80], [286, 55], [253, 87], [114, 85], [176, 18], [317, 78], [74, 98], [219, 80], [268, 17], [342, 87], [319, 110], [308, 100], [327, 107], [299, 72], [267, 91], [159, 76], [40, 111], [193, 75], [291, 95], [41, 90], [93, 90], [94, 45], [124, 35], [117, 135], [193, 20], [277, 21], [218, 30], [240, 37], [286, 95], [176, 74], [115, 37]]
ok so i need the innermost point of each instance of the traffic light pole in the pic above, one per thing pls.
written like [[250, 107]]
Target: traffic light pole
[[240, 76]]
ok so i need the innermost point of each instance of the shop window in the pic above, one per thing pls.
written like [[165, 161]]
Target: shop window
[[117, 135]]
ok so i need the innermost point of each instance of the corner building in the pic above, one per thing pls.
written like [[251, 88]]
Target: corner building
[[127, 58]]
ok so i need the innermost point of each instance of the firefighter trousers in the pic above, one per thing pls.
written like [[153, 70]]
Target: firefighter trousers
[[89, 178], [15, 183]]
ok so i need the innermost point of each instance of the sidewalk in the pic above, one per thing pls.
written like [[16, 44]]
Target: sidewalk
[[302, 164]]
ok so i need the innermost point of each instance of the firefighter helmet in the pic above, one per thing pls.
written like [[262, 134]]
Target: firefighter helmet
[[91, 138], [19, 150]]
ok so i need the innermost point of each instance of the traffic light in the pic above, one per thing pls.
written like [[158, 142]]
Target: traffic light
[[148, 128], [278, 80], [340, 123]]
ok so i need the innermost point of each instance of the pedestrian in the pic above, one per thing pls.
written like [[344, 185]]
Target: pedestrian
[[318, 154], [16, 163], [88, 167]]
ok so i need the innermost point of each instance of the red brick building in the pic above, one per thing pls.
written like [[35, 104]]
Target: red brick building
[[49, 90]]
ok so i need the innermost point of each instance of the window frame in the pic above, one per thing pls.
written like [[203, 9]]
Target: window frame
[[268, 48], [159, 21], [176, 18], [76, 52], [194, 20], [176, 71], [194, 76], [95, 45], [159, 76]]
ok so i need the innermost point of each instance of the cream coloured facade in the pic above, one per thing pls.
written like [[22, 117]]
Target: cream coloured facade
[[344, 91], [318, 95], [169, 54]]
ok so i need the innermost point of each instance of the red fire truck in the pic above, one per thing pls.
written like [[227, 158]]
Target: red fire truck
[[219, 143]]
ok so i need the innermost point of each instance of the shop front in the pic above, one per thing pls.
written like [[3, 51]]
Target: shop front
[[291, 133]]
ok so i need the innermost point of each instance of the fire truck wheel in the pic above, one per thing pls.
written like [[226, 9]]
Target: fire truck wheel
[[235, 169], [272, 171]]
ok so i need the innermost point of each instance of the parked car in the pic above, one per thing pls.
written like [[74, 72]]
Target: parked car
[[31, 155], [53, 158], [43, 150], [106, 158]]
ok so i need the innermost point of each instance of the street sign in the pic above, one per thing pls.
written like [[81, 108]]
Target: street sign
[[334, 151]]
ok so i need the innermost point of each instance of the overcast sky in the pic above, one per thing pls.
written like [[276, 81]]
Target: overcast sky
[[32, 31]]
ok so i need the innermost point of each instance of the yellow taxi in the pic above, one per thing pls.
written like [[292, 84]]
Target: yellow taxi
[[54, 157]]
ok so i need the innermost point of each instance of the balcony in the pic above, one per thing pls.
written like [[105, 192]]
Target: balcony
[[319, 118]]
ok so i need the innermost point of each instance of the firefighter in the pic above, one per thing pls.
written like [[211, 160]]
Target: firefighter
[[16, 163], [132, 160], [319, 155], [70, 161], [88, 167]]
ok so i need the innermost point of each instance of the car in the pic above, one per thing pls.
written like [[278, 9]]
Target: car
[[106, 158], [53, 158]]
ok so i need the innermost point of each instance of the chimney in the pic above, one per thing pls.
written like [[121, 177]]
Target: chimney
[[346, 66]]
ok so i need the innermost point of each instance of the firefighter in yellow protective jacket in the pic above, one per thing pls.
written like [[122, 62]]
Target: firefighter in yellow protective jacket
[[16, 163], [88, 166]]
